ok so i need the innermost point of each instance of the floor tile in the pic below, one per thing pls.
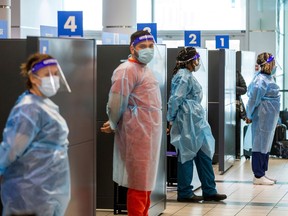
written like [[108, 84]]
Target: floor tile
[[244, 198]]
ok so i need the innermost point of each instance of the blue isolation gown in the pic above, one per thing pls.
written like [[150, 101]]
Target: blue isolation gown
[[263, 109], [33, 159], [135, 112], [190, 130]]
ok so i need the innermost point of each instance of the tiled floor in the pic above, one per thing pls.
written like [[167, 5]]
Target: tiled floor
[[244, 198]]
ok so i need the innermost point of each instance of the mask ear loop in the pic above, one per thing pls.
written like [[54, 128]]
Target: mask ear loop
[[136, 52]]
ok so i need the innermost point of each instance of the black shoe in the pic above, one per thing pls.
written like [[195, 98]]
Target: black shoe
[[215, 197], [191, 199]]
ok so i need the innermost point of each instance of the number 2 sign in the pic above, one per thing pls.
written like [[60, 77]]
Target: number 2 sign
[[70, 24], [192, 38]]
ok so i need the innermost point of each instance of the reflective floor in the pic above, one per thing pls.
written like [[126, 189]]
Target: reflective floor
[[244, 198]]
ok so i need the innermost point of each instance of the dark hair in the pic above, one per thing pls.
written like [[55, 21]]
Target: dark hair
[[138, 34], [182, 58], [31, 61], [261, 59]]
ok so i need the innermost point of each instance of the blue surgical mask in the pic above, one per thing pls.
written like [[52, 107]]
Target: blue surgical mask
[[49, 87], [273, 70], [145, 55]]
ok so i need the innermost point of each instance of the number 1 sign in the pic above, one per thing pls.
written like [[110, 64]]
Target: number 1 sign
[[222, 41], [70, 24]]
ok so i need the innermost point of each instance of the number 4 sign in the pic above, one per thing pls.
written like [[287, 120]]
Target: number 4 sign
[[70, 24]]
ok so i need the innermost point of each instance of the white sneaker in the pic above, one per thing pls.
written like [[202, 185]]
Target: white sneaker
[[262, 181], [271, 179]]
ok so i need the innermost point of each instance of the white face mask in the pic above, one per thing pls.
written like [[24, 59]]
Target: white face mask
[[49, 88]]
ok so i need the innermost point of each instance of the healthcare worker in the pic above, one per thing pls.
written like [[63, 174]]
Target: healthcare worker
[[263, 109], [135, 115], [190, 132], [34, 163]]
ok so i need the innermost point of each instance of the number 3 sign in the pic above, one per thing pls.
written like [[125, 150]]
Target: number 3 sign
[[70, 24], [150, 27], [192, 38]]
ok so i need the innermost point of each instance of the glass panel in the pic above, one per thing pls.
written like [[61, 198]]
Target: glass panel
[[200, 15], [92, 12]]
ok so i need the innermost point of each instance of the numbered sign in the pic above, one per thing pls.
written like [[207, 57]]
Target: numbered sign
[[192, 38], [222, 41], [150, 27], [3, 29], [48, 31], [70, 24]]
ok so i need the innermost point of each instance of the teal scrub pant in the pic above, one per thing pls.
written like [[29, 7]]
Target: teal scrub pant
[[205, 172]]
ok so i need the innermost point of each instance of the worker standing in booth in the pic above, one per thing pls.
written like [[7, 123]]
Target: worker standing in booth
[[190, 132], [262, 110], [135, 116]]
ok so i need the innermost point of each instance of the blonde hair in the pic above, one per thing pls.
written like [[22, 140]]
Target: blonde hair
[[262, 61]]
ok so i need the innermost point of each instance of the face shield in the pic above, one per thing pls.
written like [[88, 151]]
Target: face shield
[[197, 63], [51, 76], [275, 65], [157, 62], [147, 49]]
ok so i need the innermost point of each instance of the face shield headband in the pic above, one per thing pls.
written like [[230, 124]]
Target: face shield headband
[[197, 56], [42, 64], [142, 38], [270, 59]]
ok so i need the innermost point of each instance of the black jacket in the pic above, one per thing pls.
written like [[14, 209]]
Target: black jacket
[[241, 87]]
